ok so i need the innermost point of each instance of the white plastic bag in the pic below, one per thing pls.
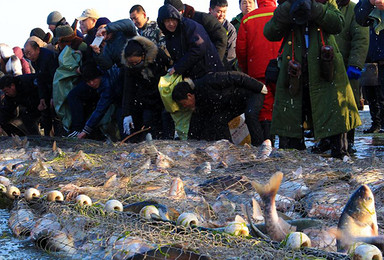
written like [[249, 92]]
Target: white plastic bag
[[239, 130]]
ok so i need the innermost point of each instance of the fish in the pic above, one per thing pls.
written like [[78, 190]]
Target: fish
[[326, 201], [53, 240], [295, 188], [204, 168], [169, 252], [277, 228], [218, 184], [125, 247], [358, 219], [112, 184], [21, 220], [165, 212], [177, 189], [46, 221], [163, 161]]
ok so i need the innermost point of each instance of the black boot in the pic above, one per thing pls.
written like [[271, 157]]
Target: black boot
[[339, 146], [322, 146], [351, 141], [372, 129]]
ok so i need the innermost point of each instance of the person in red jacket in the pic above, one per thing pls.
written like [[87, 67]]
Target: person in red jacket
[[254, 51]]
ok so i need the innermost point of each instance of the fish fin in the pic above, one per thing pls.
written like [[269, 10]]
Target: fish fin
[[111, 182], [283, 216], [271, 188], [286, 226], [256, 210], [239, 219], [375, 229]]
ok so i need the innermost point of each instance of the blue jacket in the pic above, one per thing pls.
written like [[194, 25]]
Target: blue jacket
[[190, 47], [111, 54], [110, 91]]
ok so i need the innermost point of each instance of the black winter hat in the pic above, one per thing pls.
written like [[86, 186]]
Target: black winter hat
[[38, 32], [6, 81], [90, 71], [175, 3]]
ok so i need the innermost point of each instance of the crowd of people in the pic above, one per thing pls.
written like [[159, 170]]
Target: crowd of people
[[293, 69]]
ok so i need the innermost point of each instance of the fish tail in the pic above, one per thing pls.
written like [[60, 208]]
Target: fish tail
[[270, 189]]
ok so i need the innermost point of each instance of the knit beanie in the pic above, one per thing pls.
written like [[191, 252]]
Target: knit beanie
[[102, 21], [54, 17], [175, 3], [62, 31]]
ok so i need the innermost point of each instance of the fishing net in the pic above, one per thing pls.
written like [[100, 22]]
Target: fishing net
[[217, 187]]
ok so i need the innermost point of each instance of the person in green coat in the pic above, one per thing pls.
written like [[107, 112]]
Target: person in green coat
[[313, 90], [353, 42]]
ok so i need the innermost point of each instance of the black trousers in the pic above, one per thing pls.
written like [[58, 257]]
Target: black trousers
[[375, 98]]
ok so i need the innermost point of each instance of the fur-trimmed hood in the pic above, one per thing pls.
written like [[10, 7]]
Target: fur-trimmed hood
[[149, 47]]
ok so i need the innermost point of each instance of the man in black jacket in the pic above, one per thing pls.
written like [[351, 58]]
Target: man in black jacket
[[188, 43], [214, 28], [45, 63], [18, 107], [216, 99]]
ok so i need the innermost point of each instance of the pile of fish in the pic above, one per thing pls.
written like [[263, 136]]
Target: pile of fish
[[189, 200]]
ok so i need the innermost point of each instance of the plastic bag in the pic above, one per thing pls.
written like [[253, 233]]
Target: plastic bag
[[166, 85], [239, 130]]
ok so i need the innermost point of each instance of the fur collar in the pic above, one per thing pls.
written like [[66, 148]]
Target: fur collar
[[150, 48]]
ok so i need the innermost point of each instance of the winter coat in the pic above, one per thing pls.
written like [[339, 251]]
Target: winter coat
[[230, 52], [24, 63], [221, 96], [376, 41], [191, 50], [152, 31], [353, 42], [111, 53], [27, 98], [236, 21], [254, 51], [362, 10], [91, 34], [214, 91], [109, 91], [141, 86], [212, 26], [333, 107], [45, 67], [65, 79]]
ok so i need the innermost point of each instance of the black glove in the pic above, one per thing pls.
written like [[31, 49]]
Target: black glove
[[301, 11], [317, 10]]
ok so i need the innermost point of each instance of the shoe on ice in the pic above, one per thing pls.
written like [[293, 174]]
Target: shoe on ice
[[322, 146], [72, 134], [372, 129]]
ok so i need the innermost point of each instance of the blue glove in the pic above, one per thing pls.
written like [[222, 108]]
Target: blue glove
[[301, 11], [353, 72]]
